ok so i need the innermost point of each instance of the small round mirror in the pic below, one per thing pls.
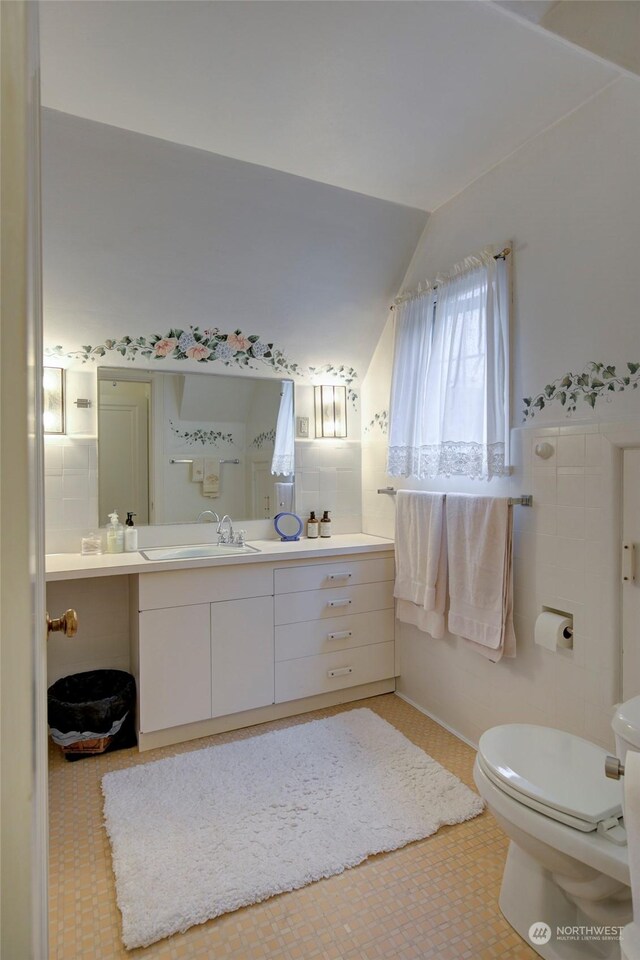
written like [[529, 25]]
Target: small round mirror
[[288, 526]]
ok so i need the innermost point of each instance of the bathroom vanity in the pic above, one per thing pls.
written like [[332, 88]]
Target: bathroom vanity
[[221, 643]]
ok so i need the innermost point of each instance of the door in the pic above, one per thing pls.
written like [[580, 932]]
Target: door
[[631, 587], [262, 496], [175, 666], [123, 449], [241, 655], [23, 731]]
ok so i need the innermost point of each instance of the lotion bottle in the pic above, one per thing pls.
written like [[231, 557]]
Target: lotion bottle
[[130, 534], [312, 526], [115, 534], [325, 525]]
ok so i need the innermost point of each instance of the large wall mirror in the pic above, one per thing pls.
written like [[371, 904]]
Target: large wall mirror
[[173, 446]]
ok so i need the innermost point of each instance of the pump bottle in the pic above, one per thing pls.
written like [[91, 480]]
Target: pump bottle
[[325, 525], [130, 534], [115, 534]]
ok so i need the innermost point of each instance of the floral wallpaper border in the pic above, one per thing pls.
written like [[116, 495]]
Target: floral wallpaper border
[[380, 420], [201, 436], [268, 436], [208, 345], [594, 382]]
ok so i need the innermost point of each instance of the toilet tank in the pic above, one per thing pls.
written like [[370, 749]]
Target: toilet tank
[[626, 727]]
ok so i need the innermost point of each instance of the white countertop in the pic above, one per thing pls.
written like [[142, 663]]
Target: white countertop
[[73, 566]]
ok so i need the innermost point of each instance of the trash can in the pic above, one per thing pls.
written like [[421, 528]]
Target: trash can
[[92, 712]]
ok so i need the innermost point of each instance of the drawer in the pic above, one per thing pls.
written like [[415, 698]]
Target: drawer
[[308, 676], [325, 576], [337, 633], [317, 604], [208, 584]]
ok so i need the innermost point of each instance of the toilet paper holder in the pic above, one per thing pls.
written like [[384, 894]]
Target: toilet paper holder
[[564, 639]]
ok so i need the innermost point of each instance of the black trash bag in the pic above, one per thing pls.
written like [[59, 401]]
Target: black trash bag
[[98, 707]]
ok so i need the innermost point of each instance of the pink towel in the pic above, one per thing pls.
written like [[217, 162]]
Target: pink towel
[[479, 545], [421, 560]]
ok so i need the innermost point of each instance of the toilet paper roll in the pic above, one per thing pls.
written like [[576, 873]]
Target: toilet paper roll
[[632, 823], [550, 630]]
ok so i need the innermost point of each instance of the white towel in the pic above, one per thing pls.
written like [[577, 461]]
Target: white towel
[[211, 481], [197, 470], [479, 538], [421, 560]]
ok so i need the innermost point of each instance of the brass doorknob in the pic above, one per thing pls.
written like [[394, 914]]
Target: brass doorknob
[[67, 623]]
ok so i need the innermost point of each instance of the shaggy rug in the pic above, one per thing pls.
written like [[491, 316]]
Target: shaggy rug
[[204, 833]]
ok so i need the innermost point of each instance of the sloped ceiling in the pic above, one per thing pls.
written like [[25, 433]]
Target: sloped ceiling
[[405, 101], [141, 235], [266, 166]]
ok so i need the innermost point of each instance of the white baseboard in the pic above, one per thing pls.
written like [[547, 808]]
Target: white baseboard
[[437, 720]]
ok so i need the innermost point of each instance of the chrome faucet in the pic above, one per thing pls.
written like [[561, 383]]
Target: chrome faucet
[[222, 536], [211, 513]]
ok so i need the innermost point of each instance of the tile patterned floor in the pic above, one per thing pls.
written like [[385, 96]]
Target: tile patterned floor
[[433, 898]]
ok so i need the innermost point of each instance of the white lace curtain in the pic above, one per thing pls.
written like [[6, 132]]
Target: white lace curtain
[[449, 411], [283, 462]]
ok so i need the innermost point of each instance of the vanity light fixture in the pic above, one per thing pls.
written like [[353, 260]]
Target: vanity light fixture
[[53, 400], [331, 411]]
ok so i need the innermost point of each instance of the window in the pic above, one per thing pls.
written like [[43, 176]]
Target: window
[[449, 413]]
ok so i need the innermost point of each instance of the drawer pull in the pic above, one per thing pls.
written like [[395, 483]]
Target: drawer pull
[[339, 603], [340, 672], [339, 576], [342, 635]]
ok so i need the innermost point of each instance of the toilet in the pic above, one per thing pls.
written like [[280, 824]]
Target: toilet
[[567, 864]]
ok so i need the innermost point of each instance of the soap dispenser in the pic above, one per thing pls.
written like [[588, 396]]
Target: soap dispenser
[[312, 525], [325, 525], [115, 534], [130, 534]]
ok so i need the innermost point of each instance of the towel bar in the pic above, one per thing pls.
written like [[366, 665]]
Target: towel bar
[[173, 460], [526, 500]]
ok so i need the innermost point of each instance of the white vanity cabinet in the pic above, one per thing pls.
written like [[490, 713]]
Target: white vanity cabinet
[[217, 647], [211, 652], [241, 655], [334, 626], [174, 674]]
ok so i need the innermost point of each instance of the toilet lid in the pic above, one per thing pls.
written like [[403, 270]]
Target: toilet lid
[[556, 769]]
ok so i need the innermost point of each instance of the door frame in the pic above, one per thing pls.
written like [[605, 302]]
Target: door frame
[[23, 704]]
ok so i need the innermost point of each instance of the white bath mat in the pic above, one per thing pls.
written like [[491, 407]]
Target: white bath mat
[[203, 833]]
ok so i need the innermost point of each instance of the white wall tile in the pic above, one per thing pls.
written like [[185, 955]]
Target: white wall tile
[[571, 450], [571, 522], [75, 456], [570, 490]]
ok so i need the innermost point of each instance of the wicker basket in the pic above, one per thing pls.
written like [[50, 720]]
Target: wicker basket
[[97, 745]]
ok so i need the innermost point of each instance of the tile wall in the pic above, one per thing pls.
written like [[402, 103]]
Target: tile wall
[[566, 558], [328, 477], [71, 491]]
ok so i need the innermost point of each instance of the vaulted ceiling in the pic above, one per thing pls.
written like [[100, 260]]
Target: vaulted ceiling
[[404, 101]]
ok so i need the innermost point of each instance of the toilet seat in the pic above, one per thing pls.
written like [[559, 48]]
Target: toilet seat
[[553, 772]]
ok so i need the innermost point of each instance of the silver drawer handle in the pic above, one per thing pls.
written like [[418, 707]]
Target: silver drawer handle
[[342, 635], [338, 603], [339, 576], [340, 672]]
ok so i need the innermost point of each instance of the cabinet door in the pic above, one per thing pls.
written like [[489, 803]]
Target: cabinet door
[[242, 657], [175, 666]]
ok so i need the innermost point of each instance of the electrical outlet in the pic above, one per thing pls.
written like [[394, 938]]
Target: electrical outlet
[[302, 427]]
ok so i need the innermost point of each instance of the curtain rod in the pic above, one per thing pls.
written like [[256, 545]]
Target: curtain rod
[[526, 500], [498, 256]]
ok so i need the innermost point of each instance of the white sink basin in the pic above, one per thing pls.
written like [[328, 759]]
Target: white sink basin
[[196, 551]]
